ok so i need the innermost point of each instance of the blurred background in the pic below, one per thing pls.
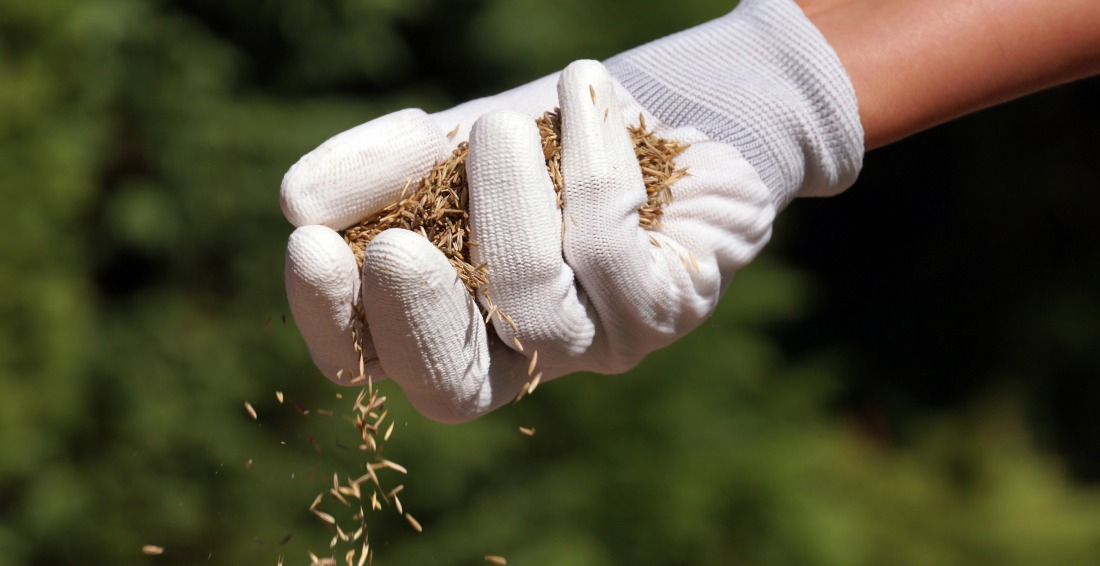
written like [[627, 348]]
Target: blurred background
[[908, 375]]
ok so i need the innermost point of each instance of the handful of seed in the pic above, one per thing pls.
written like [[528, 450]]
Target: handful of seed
[[436, 205]]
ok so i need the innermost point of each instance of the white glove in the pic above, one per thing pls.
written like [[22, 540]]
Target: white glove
[[768, 113]]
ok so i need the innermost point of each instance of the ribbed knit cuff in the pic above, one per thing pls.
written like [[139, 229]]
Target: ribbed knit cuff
[[763, 79]]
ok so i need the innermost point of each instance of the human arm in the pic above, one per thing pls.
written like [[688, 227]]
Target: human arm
[[916, 64]]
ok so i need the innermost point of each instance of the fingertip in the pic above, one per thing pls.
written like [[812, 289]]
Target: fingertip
[[357, 172], [318, 254], [587, 88], [595, 140]]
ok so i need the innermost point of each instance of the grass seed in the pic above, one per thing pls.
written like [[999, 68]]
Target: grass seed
[[436, 205]]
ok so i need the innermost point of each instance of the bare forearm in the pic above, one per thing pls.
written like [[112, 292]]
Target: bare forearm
[[918, 63]]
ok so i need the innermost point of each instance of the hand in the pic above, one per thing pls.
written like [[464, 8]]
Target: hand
[[586, 286]]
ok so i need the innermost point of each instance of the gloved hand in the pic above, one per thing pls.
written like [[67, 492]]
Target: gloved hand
[[769, 115]]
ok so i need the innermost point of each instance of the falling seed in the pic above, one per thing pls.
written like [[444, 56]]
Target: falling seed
[[335, 493], [511, 323], [324, 412], [248, 464], [534, 362], [373, 477], [279, 396], [152, 550], [352, 490], [393, 466], [389, 431], [414, 523], [324, 516], [451, 134], [592, 91], [493, 559], [527, 431], [534, 383], [251, 411]]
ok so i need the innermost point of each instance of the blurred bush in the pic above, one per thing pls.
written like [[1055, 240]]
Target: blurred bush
[[872, 391]]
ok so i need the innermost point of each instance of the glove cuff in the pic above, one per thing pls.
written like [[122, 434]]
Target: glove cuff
[[764, 80]]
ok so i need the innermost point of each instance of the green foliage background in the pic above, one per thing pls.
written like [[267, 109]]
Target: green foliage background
[[907, 375]]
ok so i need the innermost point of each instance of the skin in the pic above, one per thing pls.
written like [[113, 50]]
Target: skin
[[916, 64]]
